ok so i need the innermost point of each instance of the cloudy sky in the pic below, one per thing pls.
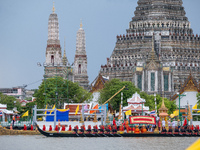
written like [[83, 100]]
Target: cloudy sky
[[24, 31]]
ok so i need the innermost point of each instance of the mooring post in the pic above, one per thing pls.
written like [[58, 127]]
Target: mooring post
[[83, 114], [34, 113], [191, 115], [54, 118], [104, 108], [102, 117]]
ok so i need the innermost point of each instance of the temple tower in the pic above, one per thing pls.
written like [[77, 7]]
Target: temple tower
[[80, 60], [159, 49], [53, 50], [55, 64]]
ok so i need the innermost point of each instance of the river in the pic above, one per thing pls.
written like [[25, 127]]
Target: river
[[39, 142]]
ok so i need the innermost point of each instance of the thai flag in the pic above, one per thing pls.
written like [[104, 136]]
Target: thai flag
[[152, 113], [1, 113]]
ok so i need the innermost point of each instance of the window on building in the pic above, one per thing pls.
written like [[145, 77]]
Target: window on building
[[79, 69], [152, 81], [52, 59], [139, 81], [166, 82]]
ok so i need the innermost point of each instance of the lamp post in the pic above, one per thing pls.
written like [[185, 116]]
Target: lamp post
[[155, 103], [56, 99], [179, 97]]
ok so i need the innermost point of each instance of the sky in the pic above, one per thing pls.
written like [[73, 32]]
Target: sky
[[24, 33]]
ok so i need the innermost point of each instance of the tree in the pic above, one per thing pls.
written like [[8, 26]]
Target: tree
[[49, 87], [114, 85], [9, 100], [198, 100]]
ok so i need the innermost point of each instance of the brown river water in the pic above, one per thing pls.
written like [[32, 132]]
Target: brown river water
[[40, 142]]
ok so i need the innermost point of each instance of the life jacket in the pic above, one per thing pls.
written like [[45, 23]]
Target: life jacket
[[63, 127], [50, 128], [13, 118]]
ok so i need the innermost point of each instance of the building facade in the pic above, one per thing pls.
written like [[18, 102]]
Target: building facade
[[159, 49], [57, 64], [18, 92]]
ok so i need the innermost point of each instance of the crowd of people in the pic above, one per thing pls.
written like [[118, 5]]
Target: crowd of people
[[124, 126]]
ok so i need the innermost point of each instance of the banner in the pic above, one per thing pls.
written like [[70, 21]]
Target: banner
[[61, 114], [142, 120]]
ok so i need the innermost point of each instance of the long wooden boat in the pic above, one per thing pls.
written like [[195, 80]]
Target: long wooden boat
[[54, 134]]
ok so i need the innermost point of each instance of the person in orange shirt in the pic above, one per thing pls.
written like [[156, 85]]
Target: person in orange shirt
[[13, 119], [126, 126], [143, 130], [137, 130]]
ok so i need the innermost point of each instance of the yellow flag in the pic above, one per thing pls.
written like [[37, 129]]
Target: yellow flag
[[175, 113], [25, 114], [128, 112], [45, 111], [52, 108], [77, 109], [194, 107]]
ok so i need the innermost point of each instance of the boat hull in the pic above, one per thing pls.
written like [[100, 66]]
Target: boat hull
[[51, 134]]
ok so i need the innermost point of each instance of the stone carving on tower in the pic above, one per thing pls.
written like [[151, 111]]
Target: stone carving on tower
[[55, 64], [80, 60], [175, 49]]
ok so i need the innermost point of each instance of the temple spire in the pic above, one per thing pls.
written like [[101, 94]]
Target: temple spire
[[53, 9], [81, 25], [152, 55], [64, 56]]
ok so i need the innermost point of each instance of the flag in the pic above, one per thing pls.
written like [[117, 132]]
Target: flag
[[77, 109], [100, 107], [95, 107], [25, 114], [194, 107], [128, 112], [45, 111], [152, 113], [86, 107], [175, 113], [1, 113], [52, 108]]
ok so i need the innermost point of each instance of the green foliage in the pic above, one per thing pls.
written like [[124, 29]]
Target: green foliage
[[198, 100], [111, 87], [49, 87], [9, 100], [28, 108], [114, 85]]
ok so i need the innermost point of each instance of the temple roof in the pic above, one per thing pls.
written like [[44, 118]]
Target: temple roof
[[190, 85], [98, 83], [136, 99], [132, 107]]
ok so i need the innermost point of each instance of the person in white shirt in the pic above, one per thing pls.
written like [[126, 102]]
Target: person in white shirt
[[163, 123], [173, 124], [169, 123]]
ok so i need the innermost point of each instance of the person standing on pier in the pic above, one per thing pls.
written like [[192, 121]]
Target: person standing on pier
[[13, 120]]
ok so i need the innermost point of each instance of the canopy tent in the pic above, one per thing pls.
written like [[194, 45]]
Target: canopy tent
[[61, 114]]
